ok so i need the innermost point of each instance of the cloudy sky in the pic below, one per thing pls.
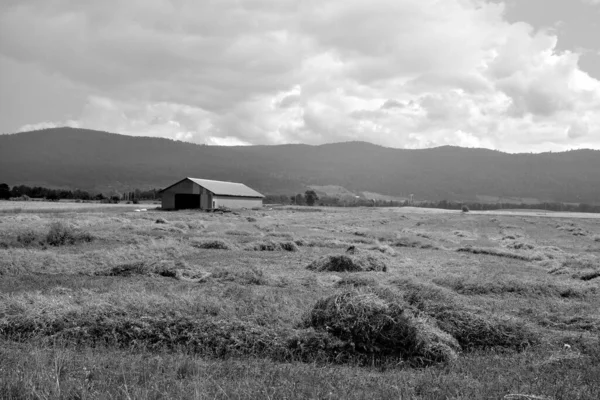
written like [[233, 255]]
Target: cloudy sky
[[514, 75]]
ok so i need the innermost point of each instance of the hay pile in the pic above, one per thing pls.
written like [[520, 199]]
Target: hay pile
[[421, 324], [375, 323], [218, 244], [471, 327], [355, 260], [271, 245]]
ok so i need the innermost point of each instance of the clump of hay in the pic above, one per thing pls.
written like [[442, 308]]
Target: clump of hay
[[356, 281], [61, 234], [217, 244], [181, 225], [129, 269], [247, 276], [238, 233], [384, 248], [270, 245], [408, 242], [285, 235], [517, 245], [354, 260], [491, 251], [250, 219], [381, 327], [327, 243], [584, 268], [179, 270], [471, 327]]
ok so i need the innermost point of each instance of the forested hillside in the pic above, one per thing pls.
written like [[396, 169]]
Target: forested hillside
[[93, 160]]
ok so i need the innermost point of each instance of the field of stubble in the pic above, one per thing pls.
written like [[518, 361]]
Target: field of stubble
[[395, 303]]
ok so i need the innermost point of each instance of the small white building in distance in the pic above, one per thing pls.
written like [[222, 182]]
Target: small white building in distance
[[204, 194]]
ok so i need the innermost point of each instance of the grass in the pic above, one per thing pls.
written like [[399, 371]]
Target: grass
[[187, 311]]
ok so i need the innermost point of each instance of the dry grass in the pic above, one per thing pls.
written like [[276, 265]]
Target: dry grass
[[154, 310]]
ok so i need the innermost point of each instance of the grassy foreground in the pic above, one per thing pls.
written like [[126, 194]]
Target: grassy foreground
[[299, 303]]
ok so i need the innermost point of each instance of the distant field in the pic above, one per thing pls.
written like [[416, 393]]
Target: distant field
[[298, 303], [62, 206], [506, 212]]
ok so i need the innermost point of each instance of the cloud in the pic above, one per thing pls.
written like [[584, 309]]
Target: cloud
[[395, 72]]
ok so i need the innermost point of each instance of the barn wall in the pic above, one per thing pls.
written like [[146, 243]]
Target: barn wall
[[168, 196], [236, 202]]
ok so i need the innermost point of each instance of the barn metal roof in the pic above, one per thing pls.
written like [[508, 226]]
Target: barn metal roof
[[221, 188]]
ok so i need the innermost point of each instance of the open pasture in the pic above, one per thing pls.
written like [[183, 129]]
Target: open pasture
[[34, 206], [299, 302]]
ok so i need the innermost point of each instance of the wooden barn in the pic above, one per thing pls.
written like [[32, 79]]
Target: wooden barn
[[205, 194]]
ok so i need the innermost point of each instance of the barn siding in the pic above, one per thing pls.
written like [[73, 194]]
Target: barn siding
[[208, 200], [236, 202], [168, 196]]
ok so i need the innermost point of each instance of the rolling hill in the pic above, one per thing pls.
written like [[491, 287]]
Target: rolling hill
[[93, 160]]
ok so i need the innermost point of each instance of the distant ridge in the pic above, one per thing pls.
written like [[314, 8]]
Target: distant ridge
[[94, 160]]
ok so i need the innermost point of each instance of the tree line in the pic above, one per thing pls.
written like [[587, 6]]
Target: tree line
[[24, 192], [311, 198]]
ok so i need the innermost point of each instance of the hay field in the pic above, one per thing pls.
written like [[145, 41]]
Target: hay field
[[16, 207], [299, 302]]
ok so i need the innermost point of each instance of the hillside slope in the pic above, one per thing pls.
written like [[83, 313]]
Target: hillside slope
[[93, 160]]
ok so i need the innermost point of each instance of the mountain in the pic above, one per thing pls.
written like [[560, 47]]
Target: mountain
[[93, 160]]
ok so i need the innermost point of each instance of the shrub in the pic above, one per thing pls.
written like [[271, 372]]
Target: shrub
[[161, 221], [465, 209], [250, 219]]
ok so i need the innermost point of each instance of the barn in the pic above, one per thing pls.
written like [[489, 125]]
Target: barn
[[206, 194]]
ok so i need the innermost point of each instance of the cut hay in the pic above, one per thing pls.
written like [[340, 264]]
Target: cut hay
[[381, 328], [471, 327], [407, 242], [491, 251], [353, 261], [271, 245], [178, 270], [217, 244], [356, 281], [585, 268]]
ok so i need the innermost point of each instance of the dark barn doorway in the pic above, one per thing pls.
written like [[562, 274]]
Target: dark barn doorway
[[186, 201]]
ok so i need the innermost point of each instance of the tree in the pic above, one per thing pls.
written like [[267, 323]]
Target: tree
[[310, 196], [299, 200], [4, 191]]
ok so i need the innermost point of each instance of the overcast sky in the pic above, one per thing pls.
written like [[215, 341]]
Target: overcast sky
[[514, 75]]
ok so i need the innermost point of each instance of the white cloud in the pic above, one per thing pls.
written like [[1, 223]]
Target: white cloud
[[395, 72]]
